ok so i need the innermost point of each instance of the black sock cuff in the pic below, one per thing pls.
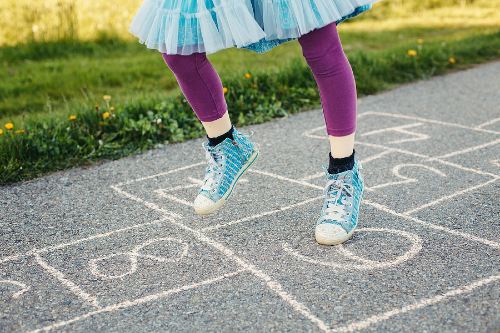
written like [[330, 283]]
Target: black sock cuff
[[338, 165], [215, 141]]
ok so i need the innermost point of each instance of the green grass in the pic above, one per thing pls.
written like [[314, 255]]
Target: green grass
[[55, 78], [46, 79], [54, 143]]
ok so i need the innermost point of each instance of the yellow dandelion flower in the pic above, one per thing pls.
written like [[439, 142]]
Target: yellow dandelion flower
[[225, 90], [106, 115], [411, 53], [420, 41], [21, 131], [72, 117], [248, 76], [452, 60], [9, 126], [1, 131], [107, 98]]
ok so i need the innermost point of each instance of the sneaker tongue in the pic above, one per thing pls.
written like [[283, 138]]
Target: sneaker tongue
[[336, 176]]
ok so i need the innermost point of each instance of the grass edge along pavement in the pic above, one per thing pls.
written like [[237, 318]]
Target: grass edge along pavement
[[111, 132]]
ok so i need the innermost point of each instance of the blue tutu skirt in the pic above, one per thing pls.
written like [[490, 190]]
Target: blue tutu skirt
[[191, 26]]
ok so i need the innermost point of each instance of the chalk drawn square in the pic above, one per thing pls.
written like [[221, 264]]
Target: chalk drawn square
[[389, 259], [408, 184], [238, 304], [418, 135], [173, 192], [25, 291], [136, 263], [486, 159]]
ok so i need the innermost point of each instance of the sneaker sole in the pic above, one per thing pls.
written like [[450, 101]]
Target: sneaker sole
[[217, 205], [320, 239]]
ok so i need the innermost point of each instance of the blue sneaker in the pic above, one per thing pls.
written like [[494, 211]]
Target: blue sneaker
[[339, 215], [227, 162]]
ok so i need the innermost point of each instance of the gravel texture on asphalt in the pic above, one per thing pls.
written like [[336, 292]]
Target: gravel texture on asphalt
[[116, 247]]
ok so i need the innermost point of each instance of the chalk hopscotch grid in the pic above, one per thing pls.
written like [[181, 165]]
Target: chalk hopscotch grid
[[171, 217]]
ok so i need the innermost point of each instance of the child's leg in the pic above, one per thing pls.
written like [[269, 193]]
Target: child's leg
[[229, 152], [203, 89], [323, 51]]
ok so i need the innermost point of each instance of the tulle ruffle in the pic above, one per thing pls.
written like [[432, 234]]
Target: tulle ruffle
[[189, 26]]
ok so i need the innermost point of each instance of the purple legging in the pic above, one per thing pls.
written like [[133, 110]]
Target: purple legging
[[322, 50]]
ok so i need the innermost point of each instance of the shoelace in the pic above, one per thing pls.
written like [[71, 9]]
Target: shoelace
[[334, 210], [214, 168]]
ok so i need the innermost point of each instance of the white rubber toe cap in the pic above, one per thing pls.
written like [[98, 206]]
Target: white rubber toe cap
[[205, 206], [331, 234]]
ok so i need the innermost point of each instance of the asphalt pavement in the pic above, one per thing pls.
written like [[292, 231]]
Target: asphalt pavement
[[116, 247]]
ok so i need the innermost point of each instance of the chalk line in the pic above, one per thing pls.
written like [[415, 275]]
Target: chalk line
[[74, 288], [256, 216], [466, 150], [448, 197], [356, 326], [139, 301], [364, 264], [433, 226], [78, 241], [23, 287]]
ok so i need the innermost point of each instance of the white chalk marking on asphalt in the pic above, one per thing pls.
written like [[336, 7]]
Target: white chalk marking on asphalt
[[467, 150], [364, 161], [274, 286], [311, 177], [428, 120], [407, 152], [139, 301], [495, 163], [187, 167], [177, 188], [433, 226], [78, 241], [365, 264], [94, 268], [488, 123], [145, 203], [135, 254], [407, 180], [273, 175], [390, 211], [403, 129], [162, 193], [73, 287], [376, 156], [196, 181], [310, 133], [271, 284], [356, 326], [23, 287], [256, 216], [427, 158], [393, 149], [458, 166], [448, 197]]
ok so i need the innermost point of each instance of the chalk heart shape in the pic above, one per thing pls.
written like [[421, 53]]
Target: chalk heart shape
[[97, 265], [359, 263]]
